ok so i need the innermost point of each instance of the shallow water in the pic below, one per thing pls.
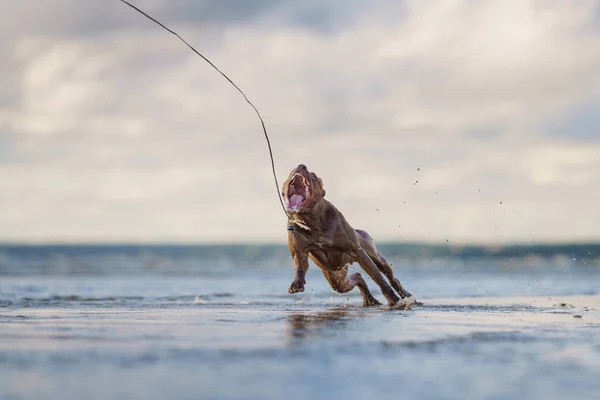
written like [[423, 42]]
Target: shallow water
[[233, 332]]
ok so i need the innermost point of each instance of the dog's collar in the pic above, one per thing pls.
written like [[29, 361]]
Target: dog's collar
[[294, 220]]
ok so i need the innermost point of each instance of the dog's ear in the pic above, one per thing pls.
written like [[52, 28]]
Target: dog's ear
[[321, 183]]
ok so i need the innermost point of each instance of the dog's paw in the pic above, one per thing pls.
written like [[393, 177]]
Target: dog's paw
[[371, 302], [296, 287], [407, 303]]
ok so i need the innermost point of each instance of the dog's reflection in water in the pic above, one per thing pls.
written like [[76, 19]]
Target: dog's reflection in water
[[311, 324]]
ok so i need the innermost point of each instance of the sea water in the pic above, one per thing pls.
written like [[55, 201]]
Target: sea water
[[183, 322]]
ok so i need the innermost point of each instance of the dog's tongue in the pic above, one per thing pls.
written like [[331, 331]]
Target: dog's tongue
[[296, 199]]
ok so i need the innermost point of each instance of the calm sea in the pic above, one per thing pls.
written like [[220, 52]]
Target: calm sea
[[216, 322]]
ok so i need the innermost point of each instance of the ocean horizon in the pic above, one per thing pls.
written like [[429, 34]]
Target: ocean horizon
[[94, 258]]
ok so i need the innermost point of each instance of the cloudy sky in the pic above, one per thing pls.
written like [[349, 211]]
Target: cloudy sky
[[467, 121]]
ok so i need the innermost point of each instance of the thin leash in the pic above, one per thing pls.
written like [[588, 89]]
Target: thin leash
[[236, 86]]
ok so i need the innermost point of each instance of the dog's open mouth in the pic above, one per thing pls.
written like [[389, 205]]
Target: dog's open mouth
[[298, 192]]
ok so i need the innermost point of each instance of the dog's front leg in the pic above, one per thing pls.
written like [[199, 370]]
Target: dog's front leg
[[301, 266]]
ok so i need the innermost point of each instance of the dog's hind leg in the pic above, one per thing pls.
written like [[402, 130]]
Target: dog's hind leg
[[342, 283], [368, 244], [386, 268]]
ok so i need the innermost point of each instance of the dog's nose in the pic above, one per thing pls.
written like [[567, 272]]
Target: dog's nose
[[302, 166]]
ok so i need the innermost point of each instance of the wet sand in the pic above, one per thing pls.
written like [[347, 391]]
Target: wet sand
[[95, 323], [224, 347]]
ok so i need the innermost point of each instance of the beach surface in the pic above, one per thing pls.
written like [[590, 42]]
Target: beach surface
[[232, 332]]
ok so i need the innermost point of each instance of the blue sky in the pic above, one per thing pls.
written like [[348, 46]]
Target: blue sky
[[112, 130]]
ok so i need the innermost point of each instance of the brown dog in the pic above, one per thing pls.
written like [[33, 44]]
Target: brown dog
[[319, 231]]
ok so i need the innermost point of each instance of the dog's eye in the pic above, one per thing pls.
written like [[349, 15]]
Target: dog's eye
[[313, 176]]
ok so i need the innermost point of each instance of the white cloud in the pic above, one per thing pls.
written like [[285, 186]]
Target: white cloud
[[126, 135]]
